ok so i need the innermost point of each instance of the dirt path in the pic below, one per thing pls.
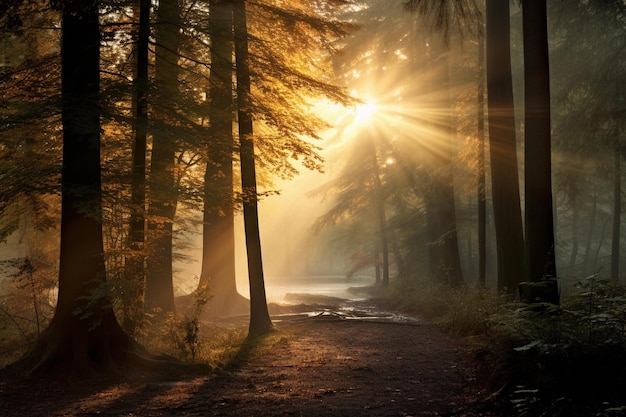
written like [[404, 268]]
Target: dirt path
[[334, 367]]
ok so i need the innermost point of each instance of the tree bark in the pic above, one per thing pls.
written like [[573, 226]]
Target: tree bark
[[135, 260], [159, 293], [84, 332], [260, 322], [218, 232], [539, 222], [503, 151], [617, 216], [482, 205]]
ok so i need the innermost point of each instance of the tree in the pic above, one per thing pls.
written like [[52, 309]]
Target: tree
[[218, 233], [260, 322], [379, 199], [482, 206], [159, 291], [447, 18], [539, 236], [359, 194], [135, 270], [444, 206], [84, 331], [617, 215], [503, 150], [587, 121]]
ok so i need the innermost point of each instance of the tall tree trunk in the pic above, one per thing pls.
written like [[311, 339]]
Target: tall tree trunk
[[482, 205], [218, 233], [134, 266], [445, 262], [380, 215], [539, 222], [84, 332], [589, 265], [433, 232], [574, 254], [617, 215], [596, 257], [503, 151], [159, 283], [447, 212], [403, 270], [377, 264], [260, 322]]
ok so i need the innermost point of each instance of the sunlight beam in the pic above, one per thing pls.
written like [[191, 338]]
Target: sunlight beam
[[364, 112]]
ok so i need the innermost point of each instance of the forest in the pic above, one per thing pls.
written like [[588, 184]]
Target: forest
[[184, 184]]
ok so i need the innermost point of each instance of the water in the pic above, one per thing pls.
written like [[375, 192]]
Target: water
[[325, 298], [281, 289]]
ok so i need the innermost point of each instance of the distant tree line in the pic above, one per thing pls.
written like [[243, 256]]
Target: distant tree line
[[456, 103]]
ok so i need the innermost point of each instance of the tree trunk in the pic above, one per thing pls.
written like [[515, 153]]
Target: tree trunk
[[84, 332], [260, 322], [380, 215], [444, 251], [403, 270], [503, 151], [539, 222], [574, 254], [159, 284], [218, 233], [452, 259], [596, 257], [482, 205], [589, 265], [617, 215], [134, 264]]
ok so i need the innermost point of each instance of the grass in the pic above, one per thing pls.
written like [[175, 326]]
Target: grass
[[220, 347]]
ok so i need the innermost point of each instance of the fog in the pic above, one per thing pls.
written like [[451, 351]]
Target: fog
[[294, 260]]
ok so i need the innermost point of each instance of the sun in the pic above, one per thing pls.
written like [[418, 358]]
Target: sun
[[364, 112]]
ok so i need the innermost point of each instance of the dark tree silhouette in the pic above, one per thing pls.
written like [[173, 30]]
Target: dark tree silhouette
[[260, 322], [502, 146], [617, 214], [159, 292], [482, 201], [84, 332], [135, 270], [539, 237]]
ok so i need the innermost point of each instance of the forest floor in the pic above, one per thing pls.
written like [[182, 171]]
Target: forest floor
[[326, 364]]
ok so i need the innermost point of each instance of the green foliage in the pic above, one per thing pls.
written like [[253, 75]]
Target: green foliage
[[544, 360], [573, 357], [178, 336], [166, 334], [600, 305], [191, 324], [462, 311]]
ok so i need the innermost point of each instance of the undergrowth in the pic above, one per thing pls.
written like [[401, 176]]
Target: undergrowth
[[541, 359], [182, 338]]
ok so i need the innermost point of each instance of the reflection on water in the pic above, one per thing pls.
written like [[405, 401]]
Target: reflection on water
[[329, 298], [350, 310], [277, 288], [304, 299]]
